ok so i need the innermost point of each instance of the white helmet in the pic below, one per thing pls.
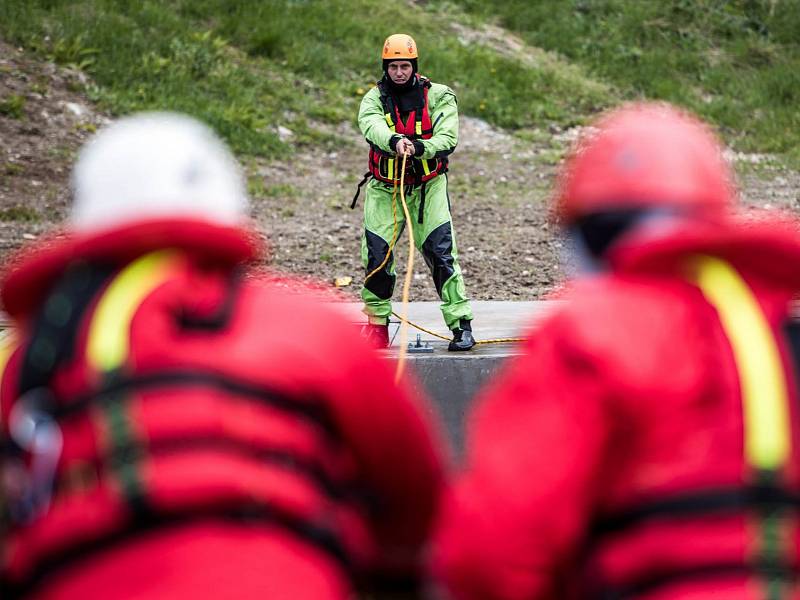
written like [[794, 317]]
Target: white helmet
[[156, 166]]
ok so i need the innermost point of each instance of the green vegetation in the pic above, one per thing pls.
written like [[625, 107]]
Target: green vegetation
[[250, 66], [247, 67], [736, 62], [12, 106], [257, 188], [11, 169], [281, 190], [19, 214]]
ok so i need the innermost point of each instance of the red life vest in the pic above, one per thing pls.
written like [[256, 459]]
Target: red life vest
[[699, 490], [162, 432], [417, 126]]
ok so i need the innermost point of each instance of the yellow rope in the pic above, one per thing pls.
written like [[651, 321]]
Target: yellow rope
[[401, 358], [500, 341], [394, 226], [446, 339], [428, 331]]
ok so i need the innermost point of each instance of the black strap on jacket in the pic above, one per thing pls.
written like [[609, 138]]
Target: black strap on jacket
[[219, 319], [311, 410], [361, 184], [318, 535], [700, 573], [55, 328], [762, 498], [421, 212], [387, 102], [699, 504]]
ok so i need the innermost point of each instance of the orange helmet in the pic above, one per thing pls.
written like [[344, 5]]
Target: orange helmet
[[399, 46], [642, 155]]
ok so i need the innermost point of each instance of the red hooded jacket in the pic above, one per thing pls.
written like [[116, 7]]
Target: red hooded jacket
[[619, 456], [201, 432]]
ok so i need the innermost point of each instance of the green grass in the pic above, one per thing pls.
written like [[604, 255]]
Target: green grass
[[12, 106], [19, 214], [281, 190], [247, 67], [735, 62], [11, 169]]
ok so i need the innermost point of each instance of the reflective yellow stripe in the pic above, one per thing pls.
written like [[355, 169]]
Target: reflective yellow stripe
[[8, 343], [7, 346], [761, 375], [109, 333], [390, 169], [419, 128], [390, 122], [425, 167]]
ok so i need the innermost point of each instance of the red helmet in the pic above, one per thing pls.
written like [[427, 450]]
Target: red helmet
[[645, 154]]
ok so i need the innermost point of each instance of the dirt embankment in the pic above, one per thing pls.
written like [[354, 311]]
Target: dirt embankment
[[43, 121], [498, 186]]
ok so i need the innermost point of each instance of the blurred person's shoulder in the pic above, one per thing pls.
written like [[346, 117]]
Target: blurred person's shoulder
[[633, 327], [301, 302]]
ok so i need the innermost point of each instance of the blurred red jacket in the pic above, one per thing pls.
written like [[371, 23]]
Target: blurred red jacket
[[173, 428], [613, 458]]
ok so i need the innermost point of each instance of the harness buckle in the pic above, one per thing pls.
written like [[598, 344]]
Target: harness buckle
[[34, 430]]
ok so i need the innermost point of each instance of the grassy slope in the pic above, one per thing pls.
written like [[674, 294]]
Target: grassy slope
[[247, 67], [737, 62]]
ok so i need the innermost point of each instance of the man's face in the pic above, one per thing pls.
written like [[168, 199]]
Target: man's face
[[400, 71]]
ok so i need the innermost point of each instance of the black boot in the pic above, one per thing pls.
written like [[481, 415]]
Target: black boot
[[376, 335], [462, 337]]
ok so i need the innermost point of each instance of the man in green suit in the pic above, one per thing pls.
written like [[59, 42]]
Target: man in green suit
[[406, 114]]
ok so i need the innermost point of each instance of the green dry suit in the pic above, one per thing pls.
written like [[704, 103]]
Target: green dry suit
[[434, 129]]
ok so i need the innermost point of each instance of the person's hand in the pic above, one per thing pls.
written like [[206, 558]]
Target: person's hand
[[405, 147]]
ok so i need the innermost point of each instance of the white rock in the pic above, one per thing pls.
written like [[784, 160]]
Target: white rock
[[284, 133], [76, 109]]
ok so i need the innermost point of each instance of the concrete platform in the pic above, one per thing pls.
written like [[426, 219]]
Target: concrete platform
[[493, 319], [451, 379]]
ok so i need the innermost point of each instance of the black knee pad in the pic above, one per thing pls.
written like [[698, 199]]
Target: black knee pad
[[438, 253], [381, 283]]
